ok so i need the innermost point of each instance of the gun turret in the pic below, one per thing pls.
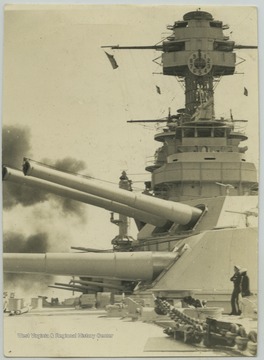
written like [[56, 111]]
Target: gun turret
[[17, 176], [134, 266], [171, 211]]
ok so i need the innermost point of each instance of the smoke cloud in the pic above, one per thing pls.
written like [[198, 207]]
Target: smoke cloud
[[25, 284], [69, 164], [14, 194], [46, 223], [18, 243], [75, 166], [16, 143]]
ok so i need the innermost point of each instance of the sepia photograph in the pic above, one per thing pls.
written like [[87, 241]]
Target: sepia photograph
[[130, 168]]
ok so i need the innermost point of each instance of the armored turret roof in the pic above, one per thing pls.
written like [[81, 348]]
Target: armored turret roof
[[198, 15]]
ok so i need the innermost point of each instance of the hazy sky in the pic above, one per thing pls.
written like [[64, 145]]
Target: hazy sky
[[58, 82]]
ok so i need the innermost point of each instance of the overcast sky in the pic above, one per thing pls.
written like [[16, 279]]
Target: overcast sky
[[58, 82]]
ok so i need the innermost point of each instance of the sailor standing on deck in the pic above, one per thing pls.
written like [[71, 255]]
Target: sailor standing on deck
[[236, 278]]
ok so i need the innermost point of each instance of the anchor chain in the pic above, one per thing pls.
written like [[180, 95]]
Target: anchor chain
[[191, 330], [211, 331]]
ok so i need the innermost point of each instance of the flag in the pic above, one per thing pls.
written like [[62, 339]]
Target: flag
[[231, 115], [112, 60], [158, 89], [245, 91]]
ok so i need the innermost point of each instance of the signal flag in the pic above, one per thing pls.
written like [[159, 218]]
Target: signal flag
[[158, 89], [112, 60]]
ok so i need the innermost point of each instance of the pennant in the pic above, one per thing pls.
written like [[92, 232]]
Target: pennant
[[245, 91], [158, 89], [112, 60], [231, 115]]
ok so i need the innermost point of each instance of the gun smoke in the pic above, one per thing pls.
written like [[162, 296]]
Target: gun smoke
[[18, 243], [16, 143], [35, 221], [38, 243], [70, 165]]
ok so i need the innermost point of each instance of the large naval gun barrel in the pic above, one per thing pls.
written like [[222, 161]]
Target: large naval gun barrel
[[133, 266], [176, 212], [17, 176]]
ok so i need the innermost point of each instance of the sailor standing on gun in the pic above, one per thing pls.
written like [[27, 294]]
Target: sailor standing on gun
[[236, 278]]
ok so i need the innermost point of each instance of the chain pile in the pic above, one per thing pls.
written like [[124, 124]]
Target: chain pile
[[211, 331]]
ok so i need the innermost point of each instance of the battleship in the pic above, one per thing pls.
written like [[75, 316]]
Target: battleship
[[197, 216]]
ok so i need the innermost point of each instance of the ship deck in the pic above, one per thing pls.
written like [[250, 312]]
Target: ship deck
[[68, 332]]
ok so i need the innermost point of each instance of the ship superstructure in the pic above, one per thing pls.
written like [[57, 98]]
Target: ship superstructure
[[198, 148]]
